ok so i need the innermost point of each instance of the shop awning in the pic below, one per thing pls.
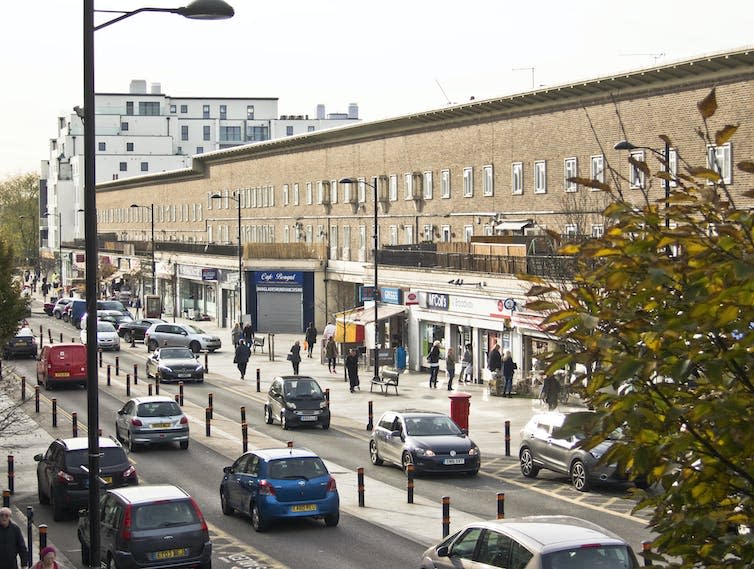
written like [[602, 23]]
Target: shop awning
[[365, 315], [513, 225]]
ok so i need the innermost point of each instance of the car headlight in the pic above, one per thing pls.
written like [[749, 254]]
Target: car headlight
[[323, 404], [199, 367], [424, 452], [290, 404], [164, 368], [473, 451]]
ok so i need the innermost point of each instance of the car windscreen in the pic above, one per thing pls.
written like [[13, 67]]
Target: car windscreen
[[431, 426], [307, 388], [111, 305], [194, 329], [163, 514], [604, 557], [158, 409], [105, 327], [109, 456], [302, 467], [176, 354]]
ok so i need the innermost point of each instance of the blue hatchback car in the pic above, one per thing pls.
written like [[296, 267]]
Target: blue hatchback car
[[268, 484]]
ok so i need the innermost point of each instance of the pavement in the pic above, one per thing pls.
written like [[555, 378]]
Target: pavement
[[385, 505]]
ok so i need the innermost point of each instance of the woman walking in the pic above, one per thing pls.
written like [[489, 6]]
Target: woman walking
[[241, 359], [509, 367], [295, 356], [433, 358], [331, 351], [311, 338], [352, 368], [450, 366], [467, 366], [236, 334]]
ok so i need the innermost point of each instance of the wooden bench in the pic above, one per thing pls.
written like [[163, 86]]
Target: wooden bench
[[388, 378], [257, 342]]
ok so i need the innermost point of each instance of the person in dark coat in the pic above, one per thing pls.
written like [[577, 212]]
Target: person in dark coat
[[12, 544], [236, 334], [331, 351], [310, 337], [352, 368], [295, 356], [433, 358], [550, 391], [248, 333], [495, 361], [508, 368], [241, 359]]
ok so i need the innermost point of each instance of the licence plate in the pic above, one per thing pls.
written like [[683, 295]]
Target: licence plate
[[160, 425], [168, 554], [304, 508], [62, 374], [21, 343], [454, 461], [308, 418], [184, 375]]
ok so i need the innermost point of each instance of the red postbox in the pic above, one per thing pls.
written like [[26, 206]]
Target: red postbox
[[460, 403]]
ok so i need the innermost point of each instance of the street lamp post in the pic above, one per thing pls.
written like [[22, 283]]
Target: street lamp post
[[376, 293], [60, 241], [198, 9], [151, 219], [236, 197]]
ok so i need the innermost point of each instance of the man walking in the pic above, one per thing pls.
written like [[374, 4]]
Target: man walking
[[241, 359], [311, 338], [12, 544]]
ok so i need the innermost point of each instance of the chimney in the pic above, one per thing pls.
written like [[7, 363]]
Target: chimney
[[138, 87], [156, 89]]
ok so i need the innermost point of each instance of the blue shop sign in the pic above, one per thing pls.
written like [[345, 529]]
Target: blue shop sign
[[209, 274], [280, 278], [391, 295]]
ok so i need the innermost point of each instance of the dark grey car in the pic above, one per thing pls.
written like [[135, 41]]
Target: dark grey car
[[296, 400], [149, 527], [175, 364]]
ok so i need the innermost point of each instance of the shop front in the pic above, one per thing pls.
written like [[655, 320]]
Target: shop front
[[281, 301], [197, 292]]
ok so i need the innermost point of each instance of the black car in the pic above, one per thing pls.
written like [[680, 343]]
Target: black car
[[62, 479], [134, 330], [22, 345], [175, 364], [431, 441], [296, 400]]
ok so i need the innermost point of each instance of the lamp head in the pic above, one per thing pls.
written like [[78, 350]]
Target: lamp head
[[348, 181], [207, 10], [624, 145], [215, 197]]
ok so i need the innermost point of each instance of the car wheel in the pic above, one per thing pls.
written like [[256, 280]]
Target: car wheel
[[57, 315], [184, 445], [58, 512], [43, 498], [268, 415], [132, 446], [257, 521], [195, 347], [224, 506], [374, 454], [151, 345], [84, 553], [331, 520], [128, 337], [579, 476], [48, 384], [283, 421], [406, 459], [528, 468], [326, 426]]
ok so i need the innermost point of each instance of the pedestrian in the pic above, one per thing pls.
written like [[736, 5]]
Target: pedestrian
[[400, 358], [236, 333], [137, 306], [495, 362], [433, 358], [47, 559], [331, 351], [12, 544], [352, 368], [550, 391], [248, 333], [508, 368], [450, 366], [467, 366], [329, 331], [310, 337], [241, 358], [295, 356]]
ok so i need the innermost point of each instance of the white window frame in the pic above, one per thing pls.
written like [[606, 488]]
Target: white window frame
[[408, 234], [719, 159], [428, 233], [597, 168], [445, 188], [333, 241], [446, 234], [488, 180], [393, 188], [362, 197], [346, 243], [309, 193], [393, 235], [468, 233], [468, 182], [333, 191], [517, 178], [296, 194], [408, 186], [636, 176], [571, 229], [673, 166], [540, 176], [598, 230], [427, 184], [570, 170], [320, 191]]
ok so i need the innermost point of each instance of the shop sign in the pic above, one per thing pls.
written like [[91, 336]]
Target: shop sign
[[366, 293], [209, 274], [279, 277], [412, 298], [391, 295], [437, 300]]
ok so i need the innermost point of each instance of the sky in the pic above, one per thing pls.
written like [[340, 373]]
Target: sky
[[392, 57]]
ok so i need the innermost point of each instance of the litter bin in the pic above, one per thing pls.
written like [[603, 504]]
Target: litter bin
[[460, 403]]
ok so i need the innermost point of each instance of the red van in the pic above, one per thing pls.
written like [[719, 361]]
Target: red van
[[62, 364]]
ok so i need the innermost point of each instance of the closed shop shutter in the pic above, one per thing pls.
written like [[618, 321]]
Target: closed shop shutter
[[280, 312]]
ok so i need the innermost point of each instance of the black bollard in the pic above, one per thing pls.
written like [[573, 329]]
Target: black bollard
[[410, 473], [327, 397], [370, 415], [108, 374], [209, 405], [207, 420], [11, 474], [180, 393], [507, 438], [501, 505], [149, 389], [156, 386], [23, 388], [445, 516], [61, 338], [29, 528], [100, 358], [128, 385], [136, 374], [245, 436], [243, 414], [42, 537], [259, 381], [75, 424], [206, 362], [117, 366], [54, 412], [36, 399], [360, 479]]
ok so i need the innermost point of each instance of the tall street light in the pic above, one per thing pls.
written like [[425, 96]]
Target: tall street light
[[150, 207], [376, 293], [236, 197], [198, 9], [60, 240]]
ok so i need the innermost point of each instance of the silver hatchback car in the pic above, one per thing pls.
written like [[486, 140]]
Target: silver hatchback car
[[151, 420], [532, 542], [165, 334]]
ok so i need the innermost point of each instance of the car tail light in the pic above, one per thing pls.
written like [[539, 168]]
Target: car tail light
[[331, 486], [129, 472], [64, 477], [184, 420], [265, 488], [136, 422], [205, 529], [125, 529]]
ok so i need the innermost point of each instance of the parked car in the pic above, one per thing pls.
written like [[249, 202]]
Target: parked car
[[431, 441], [74, 310], [112, 305], [115, 317], [554, 441], [23, 344], [150, 420], [276, 483], [107, 336], [135, 329], [164, 334], [62, 364], [63, 483], [532, 542], [49, 305], [296, 400], [151, 526], [57, 310], [175, 364]]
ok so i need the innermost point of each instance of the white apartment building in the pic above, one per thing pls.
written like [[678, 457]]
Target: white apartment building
[[146, 132]]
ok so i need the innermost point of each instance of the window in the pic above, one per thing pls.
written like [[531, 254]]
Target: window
[[310, 128], [101, 146], [149, 108], [200, 149], [249, 112], [673, 166], [205, 111], [173, 109], [598, 231], [408, 234], [184, 109], [637, 176], [129, 107], [468, 182], [408, 186], [427, 233], [230, 133], [129, 146], [597, 170], [223, 112], [184, 132], [309, 196], [517, 178], [257, 133], [285, 194], [393, 235], [123, 126], [296, 194], [393, 188], [445, 233], [145, 166], [468, 233], [571, 229], [540, 177], [289, 130], [205, 132], [427, 185], [333, 191], [346, 241], [719, 160], [570, 170], [488, 181], [123, 167], [445, 184], [362, 197]]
